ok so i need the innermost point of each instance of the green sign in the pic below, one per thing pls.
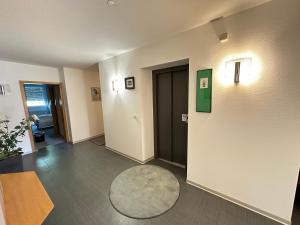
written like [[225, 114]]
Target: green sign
[[204, 90]]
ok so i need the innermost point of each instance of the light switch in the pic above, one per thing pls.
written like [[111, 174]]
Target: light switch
[[184, 118]]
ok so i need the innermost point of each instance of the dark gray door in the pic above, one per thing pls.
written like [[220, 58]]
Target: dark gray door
[[164, 88], [171, 101]]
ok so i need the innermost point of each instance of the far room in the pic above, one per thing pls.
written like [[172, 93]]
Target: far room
[[44, 105]]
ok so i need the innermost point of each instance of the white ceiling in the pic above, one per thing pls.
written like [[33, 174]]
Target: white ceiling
[[79, 33]]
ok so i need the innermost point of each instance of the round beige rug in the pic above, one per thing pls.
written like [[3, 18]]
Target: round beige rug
[[144, 191]]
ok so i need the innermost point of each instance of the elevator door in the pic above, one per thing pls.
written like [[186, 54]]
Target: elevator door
[[171, 106]]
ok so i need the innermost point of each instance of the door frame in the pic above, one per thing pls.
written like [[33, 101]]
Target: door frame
[[155, 73], [26, 111]]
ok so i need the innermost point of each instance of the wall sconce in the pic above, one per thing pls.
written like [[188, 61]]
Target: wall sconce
[[241, 68], [237, 72], [115, 85], [5, 89]]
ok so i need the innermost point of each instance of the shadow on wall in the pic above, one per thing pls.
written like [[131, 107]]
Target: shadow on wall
[[93, 106], [297, 199], [296, 211]]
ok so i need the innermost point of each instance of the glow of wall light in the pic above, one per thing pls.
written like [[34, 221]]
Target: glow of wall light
[[247, 75], [250, 69], [116, 84]]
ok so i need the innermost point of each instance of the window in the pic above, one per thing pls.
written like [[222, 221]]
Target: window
[[36, 95], [36, 103]]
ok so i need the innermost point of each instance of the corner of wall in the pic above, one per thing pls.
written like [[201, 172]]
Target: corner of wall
[[65, 97]]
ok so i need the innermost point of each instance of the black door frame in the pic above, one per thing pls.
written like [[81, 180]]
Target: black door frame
[[155, 74]]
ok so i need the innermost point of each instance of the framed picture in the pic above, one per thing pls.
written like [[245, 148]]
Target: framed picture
[[204, 91], [96, 93], [129, 83]]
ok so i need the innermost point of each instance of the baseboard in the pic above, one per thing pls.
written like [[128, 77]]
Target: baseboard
[[87, 139], [239, 203], [129, 157]]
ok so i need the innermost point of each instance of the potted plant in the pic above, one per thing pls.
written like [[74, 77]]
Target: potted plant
[[10, 153]]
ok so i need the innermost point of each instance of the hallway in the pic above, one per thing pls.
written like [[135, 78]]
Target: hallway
[[78, 179]]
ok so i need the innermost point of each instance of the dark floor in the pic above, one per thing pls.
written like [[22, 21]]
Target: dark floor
[[78, 177], [50, 139], [99, 140]]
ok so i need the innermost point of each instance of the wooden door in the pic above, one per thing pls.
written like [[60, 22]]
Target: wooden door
[[53, 109], [57, 110]]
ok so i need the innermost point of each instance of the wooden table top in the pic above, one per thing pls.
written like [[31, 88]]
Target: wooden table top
[[26, 202]]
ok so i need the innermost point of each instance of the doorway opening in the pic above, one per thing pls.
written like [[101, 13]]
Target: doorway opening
[[44, 104], [170, 107], [296, 211]]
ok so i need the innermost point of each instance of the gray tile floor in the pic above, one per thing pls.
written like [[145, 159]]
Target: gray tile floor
[[99, 140], [78, 177], [50, 139]]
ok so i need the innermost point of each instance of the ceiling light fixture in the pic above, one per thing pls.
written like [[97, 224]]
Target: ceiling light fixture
[[110, 2]]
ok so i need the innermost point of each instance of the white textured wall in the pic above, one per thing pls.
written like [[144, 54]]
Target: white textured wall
[[86, 118], [122, 130], [12, 105], [248, 147]]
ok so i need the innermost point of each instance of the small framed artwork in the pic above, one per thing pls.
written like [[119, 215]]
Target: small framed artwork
[[96, 93], [129, 83]]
